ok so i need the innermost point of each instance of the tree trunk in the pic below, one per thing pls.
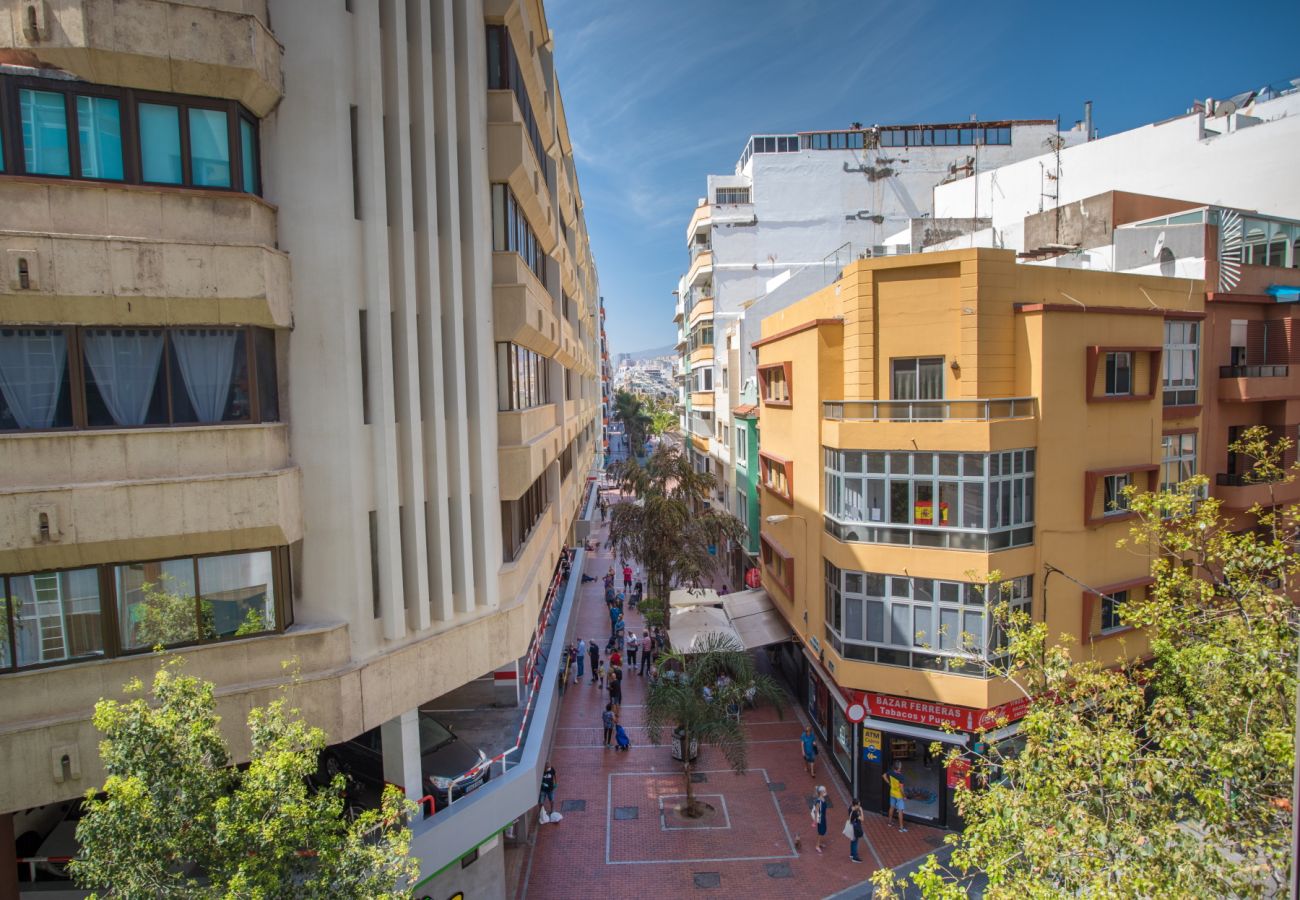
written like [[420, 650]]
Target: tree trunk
[[689, 809]]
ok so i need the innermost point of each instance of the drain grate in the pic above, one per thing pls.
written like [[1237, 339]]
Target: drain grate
[[775, 786], [707, 879], [573, 806], [779, 870], [699, 778], [626, 812]]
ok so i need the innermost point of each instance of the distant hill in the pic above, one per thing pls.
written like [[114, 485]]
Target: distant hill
[[667, 350]]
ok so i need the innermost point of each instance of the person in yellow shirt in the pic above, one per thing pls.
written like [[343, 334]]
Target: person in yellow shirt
[[897, 793]]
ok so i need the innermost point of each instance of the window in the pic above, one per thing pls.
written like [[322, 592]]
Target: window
[[701, 336], [363, 338], [1111, 606], [742, 445], [1177, 459], [56, 617], [354, 131], [373, 523], [702, 378], [1114, 501], [922, 623], [1181, 363], [520, 517], [1119, 373], [742, 507], [72, 129], [504, 74], [523, 379], [732, 195], [962, 501], [777, 475], [917, 379], [511, 232], [112, 377], [779, 563], [774, 383]]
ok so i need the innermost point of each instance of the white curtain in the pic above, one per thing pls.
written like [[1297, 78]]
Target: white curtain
[[206, 357], [32, 363], [125, 362]]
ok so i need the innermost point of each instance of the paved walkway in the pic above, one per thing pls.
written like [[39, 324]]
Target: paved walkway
[[619, 835]]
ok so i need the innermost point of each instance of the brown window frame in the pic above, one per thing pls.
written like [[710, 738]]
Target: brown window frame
[[764, 384], [770, 549], [128, 99], [78, 385], [766, 463], [1097, 353], [1092, 480], [1092, 600]]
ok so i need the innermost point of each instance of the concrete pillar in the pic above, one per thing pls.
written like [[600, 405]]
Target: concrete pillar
[[506, 687], [401, 741], [8, 859]]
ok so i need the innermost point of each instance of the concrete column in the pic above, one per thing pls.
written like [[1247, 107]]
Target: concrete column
[[506, 687], [401, 740], [8, 859]]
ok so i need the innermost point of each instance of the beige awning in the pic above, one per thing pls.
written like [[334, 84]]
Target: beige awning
[[688, 625], [683, 597], [755, 619]]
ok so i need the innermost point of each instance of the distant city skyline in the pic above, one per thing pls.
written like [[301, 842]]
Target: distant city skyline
[[651, 117]]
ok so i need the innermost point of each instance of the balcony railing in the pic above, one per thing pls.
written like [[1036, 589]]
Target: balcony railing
[[698, 248], [1243, 479], [974, 410], [1254, 371]]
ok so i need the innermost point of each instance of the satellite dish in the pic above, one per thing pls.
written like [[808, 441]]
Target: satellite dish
[[1159, 247], [1224, 108]]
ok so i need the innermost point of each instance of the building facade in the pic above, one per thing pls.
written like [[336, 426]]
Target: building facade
[[796, 210], [298, 332], [929, 421]]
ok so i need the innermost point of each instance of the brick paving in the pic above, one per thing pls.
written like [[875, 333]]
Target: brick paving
[[759, 842]]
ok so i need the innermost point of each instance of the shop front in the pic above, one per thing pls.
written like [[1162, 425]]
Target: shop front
[[827, 709], [906, 730]]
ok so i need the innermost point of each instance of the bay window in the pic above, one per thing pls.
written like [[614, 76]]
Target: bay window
[[523, 379], [1181, 362], [511, 232]]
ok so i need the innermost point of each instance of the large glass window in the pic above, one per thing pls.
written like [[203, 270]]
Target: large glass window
[[65, 128], [520, 517], [511, 232], [1181, 362], [918, 378], [1178, 459], [129, 377], [923, 623], [53, 617], [504, 73], [962, 501], [1111, 604], [522, 378], [1119, 373], [1114, 500]]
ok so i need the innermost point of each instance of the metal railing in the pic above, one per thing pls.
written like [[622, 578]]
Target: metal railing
[[697, 249], [974, 410], [1254, 371]]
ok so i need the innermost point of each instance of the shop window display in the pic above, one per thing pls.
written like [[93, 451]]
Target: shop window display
[[923, 773]]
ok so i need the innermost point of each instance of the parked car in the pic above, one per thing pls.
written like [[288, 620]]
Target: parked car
[[443, 758]]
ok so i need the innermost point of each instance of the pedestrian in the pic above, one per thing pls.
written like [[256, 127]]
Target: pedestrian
[[855, 825], [632, 646], [604, 674], [725, 589], [603, 509], [616, 692], [897, 793], [548, 788], [646, 644], [582, 656], [820, 804], [616, 659], [809, 751], [627, 578], [607, 720], [594, 652]]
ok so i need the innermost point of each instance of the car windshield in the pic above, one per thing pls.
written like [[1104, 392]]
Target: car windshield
[[433, 735]]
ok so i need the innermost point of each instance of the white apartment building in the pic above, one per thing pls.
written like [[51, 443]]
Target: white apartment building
[[299, 319], [797, 208]]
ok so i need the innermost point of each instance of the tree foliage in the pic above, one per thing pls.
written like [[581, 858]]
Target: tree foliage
[[631, 410], [176, 819], [1166, 779], [678, 702], [666, 526]]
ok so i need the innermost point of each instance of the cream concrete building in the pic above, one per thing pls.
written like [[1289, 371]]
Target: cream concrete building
[[298, 326]]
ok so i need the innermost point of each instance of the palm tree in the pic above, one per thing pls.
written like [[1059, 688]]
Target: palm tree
[[677, 702], [666, 528], [630, 409]]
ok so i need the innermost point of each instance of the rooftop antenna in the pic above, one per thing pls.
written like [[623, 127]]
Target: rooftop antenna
[[1087, 120]]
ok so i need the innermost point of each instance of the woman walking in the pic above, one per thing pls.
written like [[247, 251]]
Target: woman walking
[[855, 822], [607, 719], [820, 804]]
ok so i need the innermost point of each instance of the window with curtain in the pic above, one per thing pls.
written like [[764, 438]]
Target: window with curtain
[[918, 379], [99, 137], [34, 379], [45, 132], [122, 375], [206, 358]]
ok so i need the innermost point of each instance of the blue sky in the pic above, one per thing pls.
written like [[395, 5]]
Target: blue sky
[[659, 93]]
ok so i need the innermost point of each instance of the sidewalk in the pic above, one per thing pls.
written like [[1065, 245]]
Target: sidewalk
[[615, 835]]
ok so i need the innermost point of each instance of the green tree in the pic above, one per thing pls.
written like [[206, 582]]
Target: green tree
[[666, 527], [663, 418], [176, 819], [677, 703], [1169, 779], [630, 409]]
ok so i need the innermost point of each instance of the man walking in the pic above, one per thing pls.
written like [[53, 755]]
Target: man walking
[[582, 656], [547, 794], [897, 793], [631, 644], [593, 651], [607, 720], [647, 644], [809, 751], [627, 577]]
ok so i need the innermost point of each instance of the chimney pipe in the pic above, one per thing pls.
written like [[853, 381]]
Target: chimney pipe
[[1087, 120]]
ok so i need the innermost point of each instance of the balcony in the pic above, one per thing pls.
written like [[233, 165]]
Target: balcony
[[1238, 494], [1247, 384], [702, 400], [523, 310], [957, 425], [701, 219], [702, 354], [147, 493], [513, 160], [178, 47], [702, 309], [701, 269]]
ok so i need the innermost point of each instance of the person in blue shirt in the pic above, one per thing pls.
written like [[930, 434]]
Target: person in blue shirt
[[819, 807], [809, 751]]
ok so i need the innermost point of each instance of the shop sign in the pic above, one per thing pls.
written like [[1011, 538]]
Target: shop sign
[[930, 714], [753, 579], [871, 741], [959, 773]]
